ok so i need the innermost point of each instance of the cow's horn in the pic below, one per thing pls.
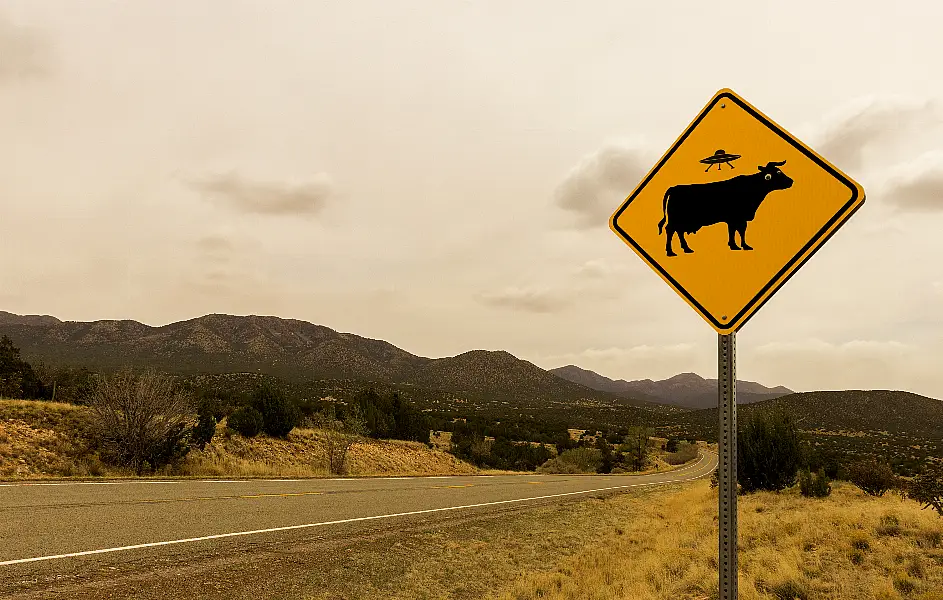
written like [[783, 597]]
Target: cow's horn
[[775, 164]]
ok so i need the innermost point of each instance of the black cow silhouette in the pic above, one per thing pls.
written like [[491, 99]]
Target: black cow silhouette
[[688, 207]]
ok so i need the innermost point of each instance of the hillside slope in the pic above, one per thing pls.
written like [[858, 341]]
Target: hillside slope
[[49, 439]]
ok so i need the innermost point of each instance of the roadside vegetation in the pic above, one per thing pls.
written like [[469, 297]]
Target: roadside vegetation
[[149, 423], [848, 545]]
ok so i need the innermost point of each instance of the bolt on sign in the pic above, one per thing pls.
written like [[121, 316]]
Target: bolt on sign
[[728, 236]]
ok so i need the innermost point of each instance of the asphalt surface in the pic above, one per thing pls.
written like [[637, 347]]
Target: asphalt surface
[[53, 530]]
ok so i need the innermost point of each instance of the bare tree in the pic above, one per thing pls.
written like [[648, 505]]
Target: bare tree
[[340, 435], [142, 419]]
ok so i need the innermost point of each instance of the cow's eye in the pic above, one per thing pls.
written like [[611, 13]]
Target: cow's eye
[[768, 177]]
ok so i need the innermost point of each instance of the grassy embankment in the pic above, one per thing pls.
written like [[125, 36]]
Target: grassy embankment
[[845, 546], [47, 439]]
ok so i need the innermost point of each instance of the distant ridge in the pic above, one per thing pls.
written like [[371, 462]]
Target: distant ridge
[[900, 427], [687, 390], [292, 350]]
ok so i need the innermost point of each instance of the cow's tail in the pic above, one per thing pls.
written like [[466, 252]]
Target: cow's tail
[[664, 211]]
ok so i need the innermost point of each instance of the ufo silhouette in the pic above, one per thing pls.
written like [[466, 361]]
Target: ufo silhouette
[[719, 158]]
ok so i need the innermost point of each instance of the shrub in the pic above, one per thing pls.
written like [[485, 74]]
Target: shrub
[[927, 489], [790, 590], [871, 476], [685, 453], [339, 436], [279, 414], [142, 420], [605, 452], [246, 421], [860, 542], [17, 377], [577, 460], [904, 584], [889, 525], [636, 447], [769, 452], [671, 445], [814, 485], [204, 430]]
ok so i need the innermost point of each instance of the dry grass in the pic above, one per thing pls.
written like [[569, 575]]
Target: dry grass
[[846, 546], [303, 454], [47, 439]]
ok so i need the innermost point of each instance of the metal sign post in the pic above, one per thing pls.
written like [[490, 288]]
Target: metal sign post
[[790, 198], [727, 466]]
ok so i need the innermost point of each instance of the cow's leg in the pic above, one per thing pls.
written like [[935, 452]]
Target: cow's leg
[[730, 241], [743, 236], [684, 244], [670, 232]]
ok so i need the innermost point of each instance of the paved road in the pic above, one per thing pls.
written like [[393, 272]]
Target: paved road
[[58, 527]]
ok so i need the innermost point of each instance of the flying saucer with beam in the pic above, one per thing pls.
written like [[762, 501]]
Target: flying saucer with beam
[[719, 158]]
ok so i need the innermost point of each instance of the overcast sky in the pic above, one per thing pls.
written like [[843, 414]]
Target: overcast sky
[[439, 174]]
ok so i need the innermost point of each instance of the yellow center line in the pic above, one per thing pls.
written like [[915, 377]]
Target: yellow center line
[[536, 482], [440, 487], [246, 496]]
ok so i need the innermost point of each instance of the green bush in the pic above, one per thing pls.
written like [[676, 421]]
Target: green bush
[[927, 489], [279, 414], [246, 421], [204, 430], [769, 452], [17, 377], [814, 485], [686, 452], [577, 460], [873, 477]]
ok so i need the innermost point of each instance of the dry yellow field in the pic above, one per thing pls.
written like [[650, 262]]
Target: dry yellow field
[[847, 546]]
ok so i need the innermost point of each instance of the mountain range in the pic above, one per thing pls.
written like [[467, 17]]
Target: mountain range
[[234, 351], [294, 351], [687, 390]]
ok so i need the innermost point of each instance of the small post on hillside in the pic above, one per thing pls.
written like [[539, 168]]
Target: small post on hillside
[[727, 467]]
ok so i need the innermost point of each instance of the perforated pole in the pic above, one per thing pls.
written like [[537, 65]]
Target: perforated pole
[[727, 469]]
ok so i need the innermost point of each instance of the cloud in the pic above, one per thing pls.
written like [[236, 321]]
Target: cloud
[[223, 261], [916, 186], [268, 198], [215, 244], [583, 285], [846, 136], [532, 300], [24, 53], [593, 189], [599, 268]]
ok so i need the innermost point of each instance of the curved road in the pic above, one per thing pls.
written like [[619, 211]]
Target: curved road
[[49, 530]]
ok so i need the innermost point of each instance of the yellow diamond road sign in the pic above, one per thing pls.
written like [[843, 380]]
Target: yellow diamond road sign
[[733, 209]]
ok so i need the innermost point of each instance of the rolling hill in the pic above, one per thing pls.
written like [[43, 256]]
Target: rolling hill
[[687, 390], [292, 350], [901, 427]]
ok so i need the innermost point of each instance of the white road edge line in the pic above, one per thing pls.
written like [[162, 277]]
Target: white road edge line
[[174, 482], [342, 521]]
